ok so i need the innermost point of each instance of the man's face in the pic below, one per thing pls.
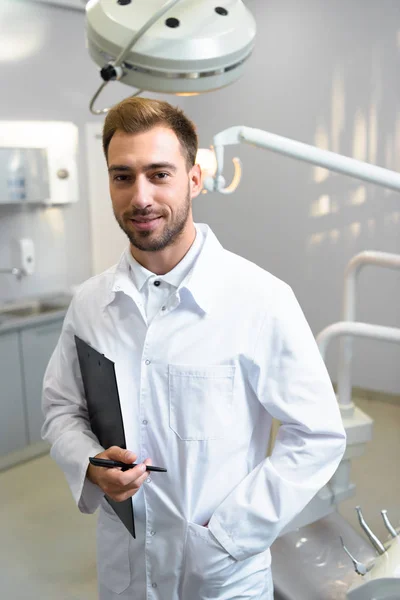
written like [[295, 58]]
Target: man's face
[[151, 188]]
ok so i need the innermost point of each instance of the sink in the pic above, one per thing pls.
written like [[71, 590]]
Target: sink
[[32, 309], [384, 588]]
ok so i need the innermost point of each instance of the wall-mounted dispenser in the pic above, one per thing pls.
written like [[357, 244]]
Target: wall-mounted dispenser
[[26, 253], [38, 162]]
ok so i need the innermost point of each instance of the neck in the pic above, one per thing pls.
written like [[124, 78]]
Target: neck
[[165, 260]]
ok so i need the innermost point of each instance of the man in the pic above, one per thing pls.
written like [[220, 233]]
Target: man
[[207, 347]]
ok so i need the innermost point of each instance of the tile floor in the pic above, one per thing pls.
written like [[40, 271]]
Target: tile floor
[[47, 549]]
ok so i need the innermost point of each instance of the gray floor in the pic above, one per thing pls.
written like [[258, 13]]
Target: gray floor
[[47, 549]]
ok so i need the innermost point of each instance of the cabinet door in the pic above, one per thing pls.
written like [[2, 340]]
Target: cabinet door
[[13, 435], [38, 344]]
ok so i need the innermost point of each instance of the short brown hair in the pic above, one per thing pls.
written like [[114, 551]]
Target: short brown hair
[[136, 115]]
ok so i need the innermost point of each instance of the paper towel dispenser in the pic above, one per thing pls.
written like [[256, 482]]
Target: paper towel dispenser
[[38, 162], [24, 175]]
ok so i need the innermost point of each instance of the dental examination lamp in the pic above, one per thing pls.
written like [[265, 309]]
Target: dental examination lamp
[[181, 47], [215, 182]]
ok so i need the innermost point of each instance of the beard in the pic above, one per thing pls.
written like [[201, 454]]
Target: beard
[[154, 241]]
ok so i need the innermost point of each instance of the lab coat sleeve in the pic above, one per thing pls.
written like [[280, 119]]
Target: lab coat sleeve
[[66, 425], [290, 380]]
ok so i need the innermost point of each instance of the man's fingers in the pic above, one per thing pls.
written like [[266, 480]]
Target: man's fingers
[[116, 481], [116, 453], [134, 478], [120, 491], [142, 478], [127, 478], [118, 484]]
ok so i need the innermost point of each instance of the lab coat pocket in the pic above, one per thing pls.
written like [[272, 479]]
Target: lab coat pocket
[[207, 563], [210, 572], [113, 541], [200, 400]]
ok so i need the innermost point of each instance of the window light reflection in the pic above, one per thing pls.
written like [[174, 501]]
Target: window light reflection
[[359, 195]]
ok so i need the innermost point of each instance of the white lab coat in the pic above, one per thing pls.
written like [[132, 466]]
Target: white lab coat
[[198, 389]]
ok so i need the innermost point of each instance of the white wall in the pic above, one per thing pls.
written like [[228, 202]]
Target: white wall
[[324, 73]]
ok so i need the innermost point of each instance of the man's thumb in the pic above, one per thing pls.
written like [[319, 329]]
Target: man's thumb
[[122, 455]]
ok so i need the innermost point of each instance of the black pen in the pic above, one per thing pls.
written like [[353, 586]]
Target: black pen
[[104, 462]]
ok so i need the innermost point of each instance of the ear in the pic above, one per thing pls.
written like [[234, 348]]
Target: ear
[[195, 179]]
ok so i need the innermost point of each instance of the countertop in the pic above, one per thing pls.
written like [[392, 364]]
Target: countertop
[[32, 321], [10, 322]]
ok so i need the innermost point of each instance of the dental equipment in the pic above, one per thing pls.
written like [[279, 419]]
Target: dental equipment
[[177, 46]]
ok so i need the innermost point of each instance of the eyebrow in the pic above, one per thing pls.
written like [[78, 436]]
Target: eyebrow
[[149, 167]]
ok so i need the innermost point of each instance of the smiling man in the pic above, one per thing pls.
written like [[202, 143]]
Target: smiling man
[[208, 348], [158, 219]]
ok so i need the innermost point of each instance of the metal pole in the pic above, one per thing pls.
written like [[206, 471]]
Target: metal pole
[[378, 259]]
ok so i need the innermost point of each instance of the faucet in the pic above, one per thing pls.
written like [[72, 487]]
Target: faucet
[[19, 273]]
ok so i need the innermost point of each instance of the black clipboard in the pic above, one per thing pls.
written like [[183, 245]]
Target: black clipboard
[[101, 392]]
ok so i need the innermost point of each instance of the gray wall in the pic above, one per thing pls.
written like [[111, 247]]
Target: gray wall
[[323, 73]]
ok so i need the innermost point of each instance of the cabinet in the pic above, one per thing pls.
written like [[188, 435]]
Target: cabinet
[[37, 345], [24, 356], [13, 432]]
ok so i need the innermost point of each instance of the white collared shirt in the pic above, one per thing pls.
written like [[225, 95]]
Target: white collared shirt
[[198, 388], [157, 289]]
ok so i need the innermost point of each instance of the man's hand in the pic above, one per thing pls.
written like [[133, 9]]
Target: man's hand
[[117, 484]]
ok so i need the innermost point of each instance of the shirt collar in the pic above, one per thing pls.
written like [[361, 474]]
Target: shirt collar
[[202, 281], [199, 282], [175, 277]]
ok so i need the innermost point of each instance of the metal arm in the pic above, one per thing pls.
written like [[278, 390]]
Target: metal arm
[[287, 147]]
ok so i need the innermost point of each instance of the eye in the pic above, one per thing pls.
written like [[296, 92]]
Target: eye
[[161, 176], [121, 178]]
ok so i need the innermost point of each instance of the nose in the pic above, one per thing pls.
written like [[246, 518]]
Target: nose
[[141, 193]]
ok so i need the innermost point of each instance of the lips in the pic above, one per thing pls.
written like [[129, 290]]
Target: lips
[[144, 220], [145, 224]]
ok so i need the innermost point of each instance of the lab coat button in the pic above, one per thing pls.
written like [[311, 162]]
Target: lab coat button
[[163, 308], [144, 422], [147, 362], [154, 585], [152, 533], [157, 283]]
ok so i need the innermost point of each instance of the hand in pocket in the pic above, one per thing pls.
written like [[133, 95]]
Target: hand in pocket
[[211, 572], [207, 564]]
